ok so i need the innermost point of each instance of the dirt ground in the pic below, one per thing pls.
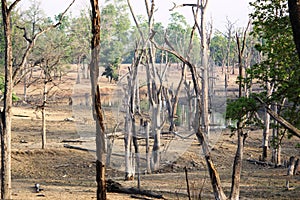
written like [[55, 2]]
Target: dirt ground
[[70, 174]]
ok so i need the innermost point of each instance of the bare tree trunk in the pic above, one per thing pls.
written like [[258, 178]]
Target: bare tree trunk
[[205, 69], [97, 110], [148, 155], [190, 99], [214, 175], [6, 113], [265, 142], [78, 70], [129, 169], [10, 77], [25, 84], [172, 102], [294, 11], [137, 152], [290, 171], [237, 165], [229, 27], [266, 133], [156, 134], [202, 136], [44, 134]]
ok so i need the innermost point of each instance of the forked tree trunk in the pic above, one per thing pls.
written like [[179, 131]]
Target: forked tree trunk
[[237, 165], [172, 102]]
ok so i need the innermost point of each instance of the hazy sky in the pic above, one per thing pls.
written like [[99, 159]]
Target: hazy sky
[[235, 10]]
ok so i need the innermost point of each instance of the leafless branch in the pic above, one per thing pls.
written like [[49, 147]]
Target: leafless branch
[[135, 20], [25, 34], [31, 42], [182, 5], [184, 60], [14, 4]]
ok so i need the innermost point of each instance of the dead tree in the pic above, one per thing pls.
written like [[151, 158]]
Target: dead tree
[[153, 87], [202, 135], [6, 113], [172, 97], [242, 135], [10, 81]]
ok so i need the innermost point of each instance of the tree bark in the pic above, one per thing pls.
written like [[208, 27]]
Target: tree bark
[[44, 133], [237, 165], [213, 173], [97, 109], [205, 73], [7, 109], [148, 155], [128, 137], [290, 171], [10, 77], [202, 137], [294, 11]]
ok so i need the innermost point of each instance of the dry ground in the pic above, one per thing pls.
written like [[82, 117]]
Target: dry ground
[[70, 174]]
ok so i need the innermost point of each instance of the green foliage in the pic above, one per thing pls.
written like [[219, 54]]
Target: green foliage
[[111, 70], [240, 107], [115, 27], [79, 36], [2, 87], [179, 33], [218, 49], [279, 66], [178, 120], [144, 105]]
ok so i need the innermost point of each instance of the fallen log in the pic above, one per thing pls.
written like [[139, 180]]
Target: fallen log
[[116, 187], [263, 163], [73, 141], [78, 148]]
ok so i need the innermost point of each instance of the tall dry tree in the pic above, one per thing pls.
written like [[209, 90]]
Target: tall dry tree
[[203, 130], [242, 135], [11, 78], [97, 109], [6, 112], [202, 118], [153, 86]]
